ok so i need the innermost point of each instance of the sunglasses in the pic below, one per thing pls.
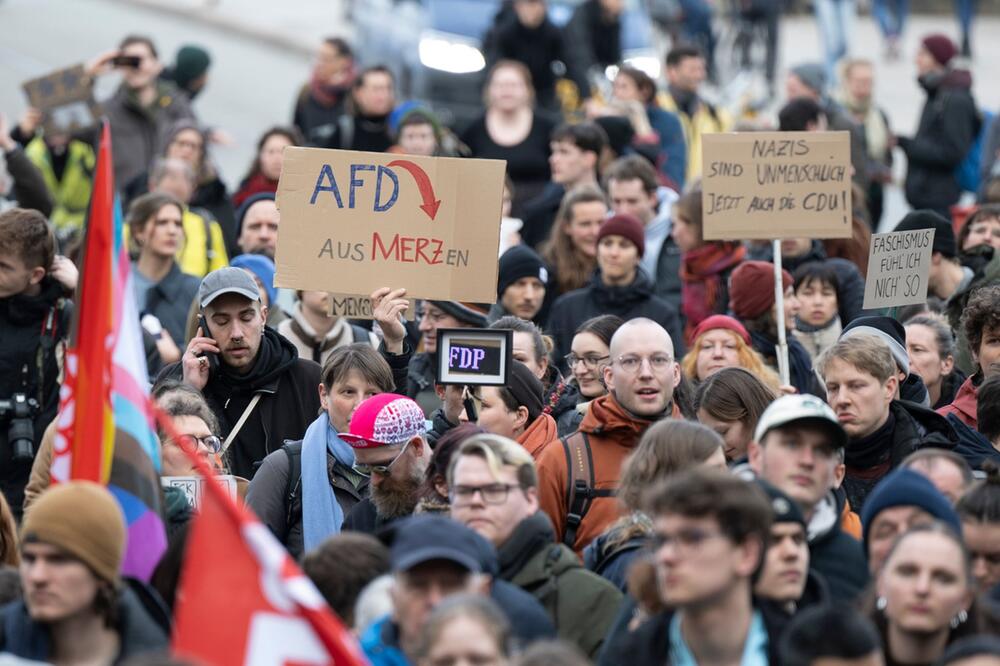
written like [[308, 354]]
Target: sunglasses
[[381, 470]]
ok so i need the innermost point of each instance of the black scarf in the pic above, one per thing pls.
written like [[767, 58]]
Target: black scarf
[[276, 355], [872, 449]]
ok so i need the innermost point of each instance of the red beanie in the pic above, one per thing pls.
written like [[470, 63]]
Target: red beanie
[[751, 288], [720, 321], [941, 47], [626, 226]]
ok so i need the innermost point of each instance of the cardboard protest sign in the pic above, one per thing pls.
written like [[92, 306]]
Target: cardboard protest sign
[[66, 100], [352, 222], [359, 307], [772, 185], [898, 263], [193, 487]]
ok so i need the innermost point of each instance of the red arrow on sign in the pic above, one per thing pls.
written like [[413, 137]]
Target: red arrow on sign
[[430, 204]]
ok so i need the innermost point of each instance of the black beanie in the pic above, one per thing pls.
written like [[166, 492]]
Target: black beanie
[[470, 314], [944, 233], [519, 262], [527, 389], [242, 211], [784, 507]]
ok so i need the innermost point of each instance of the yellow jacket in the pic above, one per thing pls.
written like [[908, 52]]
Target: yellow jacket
[[72, 192], [204, 249], [706, 120]]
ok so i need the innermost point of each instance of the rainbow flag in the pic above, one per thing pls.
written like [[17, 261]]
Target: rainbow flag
[[105, 430]]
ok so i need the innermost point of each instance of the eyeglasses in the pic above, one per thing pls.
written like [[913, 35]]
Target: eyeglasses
[[685, 541], [658, 362], [190, 443], [495, 493], [590, 361], [381, 470]]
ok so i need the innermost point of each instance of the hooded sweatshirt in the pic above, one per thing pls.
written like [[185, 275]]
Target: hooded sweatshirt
[[613, 434], [964, 404], [538, 435], [289, 401]]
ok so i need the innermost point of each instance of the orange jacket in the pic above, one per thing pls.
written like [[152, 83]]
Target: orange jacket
[[613, 434], [538, 435], [849, 522]]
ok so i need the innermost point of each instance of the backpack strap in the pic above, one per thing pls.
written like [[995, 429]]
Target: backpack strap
[[580, 491], [293, 486]]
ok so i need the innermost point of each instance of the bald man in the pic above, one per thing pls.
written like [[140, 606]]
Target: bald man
[[641, 377]]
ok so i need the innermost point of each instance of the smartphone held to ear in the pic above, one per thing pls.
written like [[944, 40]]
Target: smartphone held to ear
[[213, 358]]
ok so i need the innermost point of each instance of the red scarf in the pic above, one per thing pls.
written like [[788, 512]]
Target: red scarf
[[329, 95], [254, 184], [701, 280]]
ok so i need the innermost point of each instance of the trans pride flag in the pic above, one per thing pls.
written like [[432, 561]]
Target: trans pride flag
[[106, 431]]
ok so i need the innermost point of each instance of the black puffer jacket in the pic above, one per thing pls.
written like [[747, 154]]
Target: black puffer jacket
[[634, 300], [948, 126]]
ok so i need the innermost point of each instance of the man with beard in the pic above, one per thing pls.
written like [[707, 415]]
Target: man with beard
[[261, 391], [387, 435], [577, 480]]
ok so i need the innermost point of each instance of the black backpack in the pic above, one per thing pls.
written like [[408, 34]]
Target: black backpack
[[580, 491]]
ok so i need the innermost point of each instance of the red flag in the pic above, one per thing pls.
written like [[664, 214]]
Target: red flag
[[85, 424], [242, 599]]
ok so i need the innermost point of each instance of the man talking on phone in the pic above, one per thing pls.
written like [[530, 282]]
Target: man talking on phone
[[252, 377]]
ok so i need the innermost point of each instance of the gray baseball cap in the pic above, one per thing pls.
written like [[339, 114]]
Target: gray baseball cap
[[227, 280], [801, 407]]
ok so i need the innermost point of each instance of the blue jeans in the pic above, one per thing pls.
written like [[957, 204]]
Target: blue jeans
[[891, 16], [836, 21]]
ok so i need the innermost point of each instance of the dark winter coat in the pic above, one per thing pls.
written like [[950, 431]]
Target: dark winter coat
[[594, 40], [29, 189], [837, 557], [949, 124], [138, 133], [212, 197], [277, 500], [914, 427], [582, 604], [317, 122], [537, 48], [169, 300], [597, 298], [22, 318], [289, 401], [138, 630]]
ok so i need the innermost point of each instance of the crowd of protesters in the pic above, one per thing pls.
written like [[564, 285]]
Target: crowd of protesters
[[647, 488]]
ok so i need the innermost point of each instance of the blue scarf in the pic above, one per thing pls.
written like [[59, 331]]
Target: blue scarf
[[321, 512]]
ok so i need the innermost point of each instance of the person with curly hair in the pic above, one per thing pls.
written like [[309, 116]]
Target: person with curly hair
[[981, 325]]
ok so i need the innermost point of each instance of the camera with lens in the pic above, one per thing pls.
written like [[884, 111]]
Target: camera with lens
[[20, 411]]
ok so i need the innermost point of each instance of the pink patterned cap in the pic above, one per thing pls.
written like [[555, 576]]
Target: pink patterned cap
[[384, 420]]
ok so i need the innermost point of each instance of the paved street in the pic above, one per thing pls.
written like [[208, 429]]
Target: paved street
[[260, 56]]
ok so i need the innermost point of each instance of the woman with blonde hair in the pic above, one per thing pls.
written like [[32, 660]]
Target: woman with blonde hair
[[722, 342]]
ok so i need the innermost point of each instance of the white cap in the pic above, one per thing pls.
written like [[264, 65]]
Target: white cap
[[792, 408]]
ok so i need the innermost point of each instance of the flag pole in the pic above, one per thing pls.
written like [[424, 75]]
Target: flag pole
[[779, 314]]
